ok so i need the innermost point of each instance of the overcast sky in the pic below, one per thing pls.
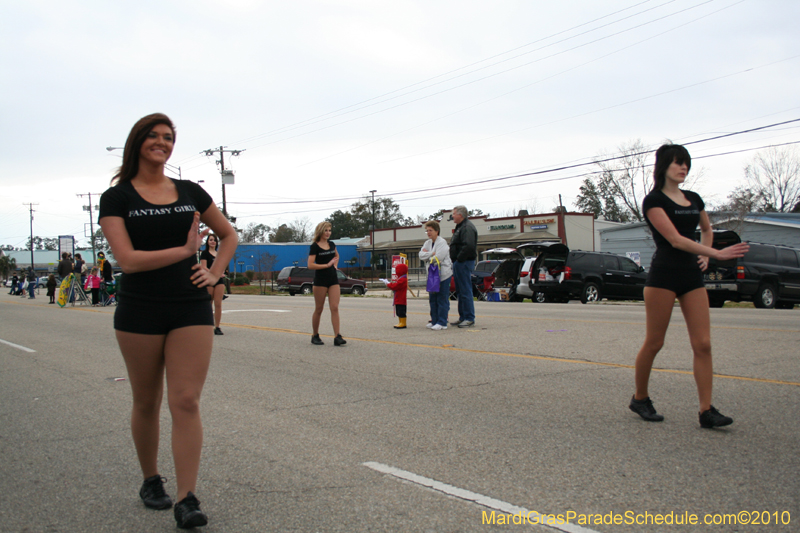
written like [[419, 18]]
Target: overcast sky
[[331, 99]]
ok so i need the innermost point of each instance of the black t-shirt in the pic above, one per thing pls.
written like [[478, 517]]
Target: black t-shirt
[[323, 257], [684, 218], [158, 227], [205, 254]]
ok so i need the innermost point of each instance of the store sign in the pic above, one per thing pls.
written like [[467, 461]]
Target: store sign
[[539, 226], [539, 221], [504, 226]]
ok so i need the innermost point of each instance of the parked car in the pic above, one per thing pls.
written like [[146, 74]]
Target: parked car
[[521, 288], [564, 274], [296, 280], [768, 275], [505, 264]]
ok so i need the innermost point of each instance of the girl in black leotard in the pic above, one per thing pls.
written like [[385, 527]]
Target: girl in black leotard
[[207, 257], [676, 272], [163, 322], [322, 259]]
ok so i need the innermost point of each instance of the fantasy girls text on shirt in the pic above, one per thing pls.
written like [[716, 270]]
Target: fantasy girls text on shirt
[[161, 210]]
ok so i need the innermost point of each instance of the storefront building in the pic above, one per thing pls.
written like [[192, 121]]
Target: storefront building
[[576, 230]]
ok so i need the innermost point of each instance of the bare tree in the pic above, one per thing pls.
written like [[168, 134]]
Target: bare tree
[[627, 179], [264, 264], [301, 230], [774, 176], [623, 183]]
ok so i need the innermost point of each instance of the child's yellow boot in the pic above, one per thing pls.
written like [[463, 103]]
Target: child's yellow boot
[[402, 324]]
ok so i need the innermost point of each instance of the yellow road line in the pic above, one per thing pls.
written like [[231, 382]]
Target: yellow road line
[[523, 356], [503, 354]]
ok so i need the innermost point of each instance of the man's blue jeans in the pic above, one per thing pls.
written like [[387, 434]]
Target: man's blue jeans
[[440, 303], [462, 270]]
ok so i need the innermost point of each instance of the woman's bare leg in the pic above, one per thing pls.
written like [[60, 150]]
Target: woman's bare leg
[[144, 358], [319, 304], [694, 306], [216, 293], [334, 295], [658, 304], [187, 354]]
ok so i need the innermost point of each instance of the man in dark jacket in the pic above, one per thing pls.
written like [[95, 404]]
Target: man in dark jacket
[[64, 266], [463, 252], [31, 283]]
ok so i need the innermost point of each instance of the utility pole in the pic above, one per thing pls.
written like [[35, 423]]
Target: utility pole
[[91, 222], [227, 176], [30, 207], [373, 232]]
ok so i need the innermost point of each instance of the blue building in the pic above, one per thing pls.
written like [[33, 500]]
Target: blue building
[[250, 256]]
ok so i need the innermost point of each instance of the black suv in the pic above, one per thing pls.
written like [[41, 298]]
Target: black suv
[[301, 280], [562, 274], [768, 275]]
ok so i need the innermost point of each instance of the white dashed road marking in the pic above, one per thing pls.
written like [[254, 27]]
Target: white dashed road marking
[[474, 497], [17, 346], [255, 311]]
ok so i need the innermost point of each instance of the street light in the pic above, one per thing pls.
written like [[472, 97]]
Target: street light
[[173, 168]]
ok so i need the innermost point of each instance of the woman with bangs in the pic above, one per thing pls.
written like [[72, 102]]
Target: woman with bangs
[[676, 271]]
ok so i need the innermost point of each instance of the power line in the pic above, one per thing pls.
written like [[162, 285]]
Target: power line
[[533, 173]]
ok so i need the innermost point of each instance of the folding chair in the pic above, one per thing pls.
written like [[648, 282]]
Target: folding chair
[[485, 288]]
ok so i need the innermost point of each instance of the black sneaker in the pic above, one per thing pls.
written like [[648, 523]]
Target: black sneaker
[[714, 419], [218, 331], [224, 296], [645, 409], [316, 340], [153, 495], [188, 513], [339, 341]]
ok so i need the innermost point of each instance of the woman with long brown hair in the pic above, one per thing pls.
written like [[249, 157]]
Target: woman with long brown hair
[[207, 258], [164, 324]]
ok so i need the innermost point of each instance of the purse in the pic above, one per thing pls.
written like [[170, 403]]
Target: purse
[[434, 280]]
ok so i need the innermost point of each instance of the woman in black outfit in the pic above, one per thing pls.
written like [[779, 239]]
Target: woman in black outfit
[[164, 324], [207, 257], [323, 258], [676, 271]]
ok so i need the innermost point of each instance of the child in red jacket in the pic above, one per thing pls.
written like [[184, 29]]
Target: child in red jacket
[[399, 288]]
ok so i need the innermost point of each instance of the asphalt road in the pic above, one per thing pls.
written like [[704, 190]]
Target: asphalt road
[[409, 430]]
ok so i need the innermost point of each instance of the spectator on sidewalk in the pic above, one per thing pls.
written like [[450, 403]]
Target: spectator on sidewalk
[[51, 288], [463, 252], [64, 266]]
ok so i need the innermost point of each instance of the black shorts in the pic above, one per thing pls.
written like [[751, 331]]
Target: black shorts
[[678, 281], [326, 278], [159, 318]]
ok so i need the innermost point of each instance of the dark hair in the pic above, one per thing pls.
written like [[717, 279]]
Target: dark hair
[[136, 138], [215, 238], [78, 256], [665, 156]]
